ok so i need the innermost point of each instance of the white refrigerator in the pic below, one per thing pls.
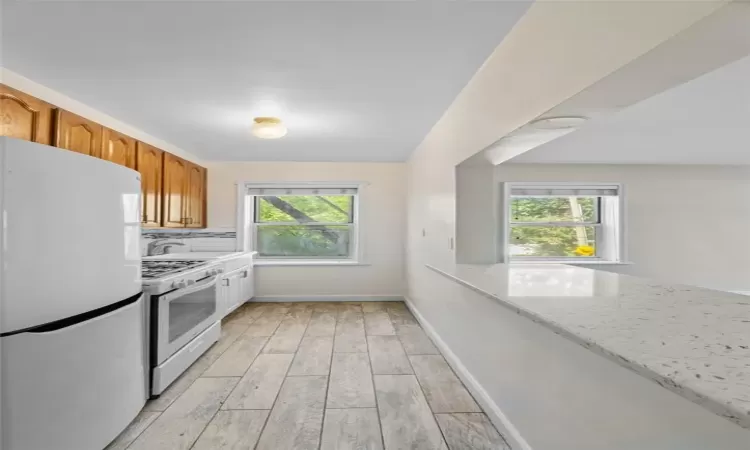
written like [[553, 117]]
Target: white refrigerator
[[71, 311]]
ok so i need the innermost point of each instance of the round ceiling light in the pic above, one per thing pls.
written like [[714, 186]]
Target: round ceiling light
[[558, 123], [268, 128]]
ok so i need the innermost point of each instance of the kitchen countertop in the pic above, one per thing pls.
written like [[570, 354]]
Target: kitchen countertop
[[219, 256], [692, 341]]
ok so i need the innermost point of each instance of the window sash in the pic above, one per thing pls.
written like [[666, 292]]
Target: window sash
[[351, 250], [564, 191], [597, 214], [257, 201], [598, 239]]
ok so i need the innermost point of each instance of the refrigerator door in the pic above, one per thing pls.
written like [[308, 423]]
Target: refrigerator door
[[71, 234], [73, 386]]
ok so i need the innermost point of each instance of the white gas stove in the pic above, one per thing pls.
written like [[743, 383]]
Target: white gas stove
[[183, 315], [161, 276]]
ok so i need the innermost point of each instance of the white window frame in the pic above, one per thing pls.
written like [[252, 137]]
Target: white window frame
[[610, 235], [247, 227]]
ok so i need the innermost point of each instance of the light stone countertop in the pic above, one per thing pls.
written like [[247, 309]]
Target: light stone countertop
[[692, 341]]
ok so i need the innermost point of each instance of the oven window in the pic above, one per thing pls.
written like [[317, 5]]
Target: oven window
[[189, 311]]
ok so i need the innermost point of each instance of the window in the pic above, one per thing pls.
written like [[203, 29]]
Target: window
[[305, 223], [564, 222]]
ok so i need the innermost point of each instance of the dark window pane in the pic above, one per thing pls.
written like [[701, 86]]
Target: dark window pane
[[305, 208], [303, 241], [553, 241], [554, 209]]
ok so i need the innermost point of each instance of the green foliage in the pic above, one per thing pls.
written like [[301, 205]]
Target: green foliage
[[552, 241], [320, 208], [295, 240]]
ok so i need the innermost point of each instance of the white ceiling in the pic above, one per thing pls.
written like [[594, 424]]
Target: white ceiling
[[703, 121], [354, 81]]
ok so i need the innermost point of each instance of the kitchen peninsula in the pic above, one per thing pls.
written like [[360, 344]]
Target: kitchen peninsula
[[691, 341]]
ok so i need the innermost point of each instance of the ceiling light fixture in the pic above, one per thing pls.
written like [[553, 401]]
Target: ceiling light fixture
[[268, 128], [558, 123]]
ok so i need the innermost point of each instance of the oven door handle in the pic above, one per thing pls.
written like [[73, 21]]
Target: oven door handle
[[189, 290]]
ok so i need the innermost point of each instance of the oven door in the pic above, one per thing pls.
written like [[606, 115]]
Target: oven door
[[183, 314]]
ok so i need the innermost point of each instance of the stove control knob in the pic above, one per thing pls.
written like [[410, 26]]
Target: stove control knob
[[179, 284], [189, 282], [220, 270]]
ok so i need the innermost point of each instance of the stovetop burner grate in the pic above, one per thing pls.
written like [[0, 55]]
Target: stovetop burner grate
[[160, 268]]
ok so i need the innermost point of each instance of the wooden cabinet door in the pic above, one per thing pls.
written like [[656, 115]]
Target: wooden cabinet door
[[149, 162], [175, 195], [75, 133], [118, 148], [24, 117], [196, 197]]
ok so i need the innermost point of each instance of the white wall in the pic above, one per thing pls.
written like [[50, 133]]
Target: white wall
[[382, 221], [684, 224]]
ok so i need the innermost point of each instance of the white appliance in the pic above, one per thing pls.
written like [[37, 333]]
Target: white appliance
[[71, 307], [184, 316]]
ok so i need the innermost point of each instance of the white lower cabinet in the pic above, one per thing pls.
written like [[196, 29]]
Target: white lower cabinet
[[236, 288]]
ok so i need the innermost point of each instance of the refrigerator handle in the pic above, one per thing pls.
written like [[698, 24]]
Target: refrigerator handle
[[77, 319]]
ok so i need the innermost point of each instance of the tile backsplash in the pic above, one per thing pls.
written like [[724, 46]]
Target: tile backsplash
[[206, 240]]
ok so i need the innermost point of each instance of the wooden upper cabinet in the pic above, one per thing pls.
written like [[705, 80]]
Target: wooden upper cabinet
[[196, 197], [175, 191], [24, 117], [118, 148], [75, 133], [149, 162]]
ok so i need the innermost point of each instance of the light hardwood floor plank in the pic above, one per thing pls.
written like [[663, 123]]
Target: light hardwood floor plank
[[322, 323], [232, 430], [378, 323], [405, 417], [245, 314], [330, 307], [258, 388], [401, 316], [415, 341], [288, 335], [136, 427], [472, 431], [313, 356], [387, 356], [296, 419], [351, 429], [265, 325], [374, 306], [179, 426], [351, 382], [350, 333], [300, 312], [444, 391], [237, 358]]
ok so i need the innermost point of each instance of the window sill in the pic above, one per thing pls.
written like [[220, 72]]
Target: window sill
[[309, 262], [575, 263]]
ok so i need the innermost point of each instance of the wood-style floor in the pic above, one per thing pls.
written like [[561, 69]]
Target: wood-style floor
[[315, 376]]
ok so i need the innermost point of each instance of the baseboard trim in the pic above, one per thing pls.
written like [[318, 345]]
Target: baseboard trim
[[500, 420], [327, 298]]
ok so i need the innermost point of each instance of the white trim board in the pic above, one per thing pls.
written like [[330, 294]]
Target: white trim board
[[500, 420], [327, 298]]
